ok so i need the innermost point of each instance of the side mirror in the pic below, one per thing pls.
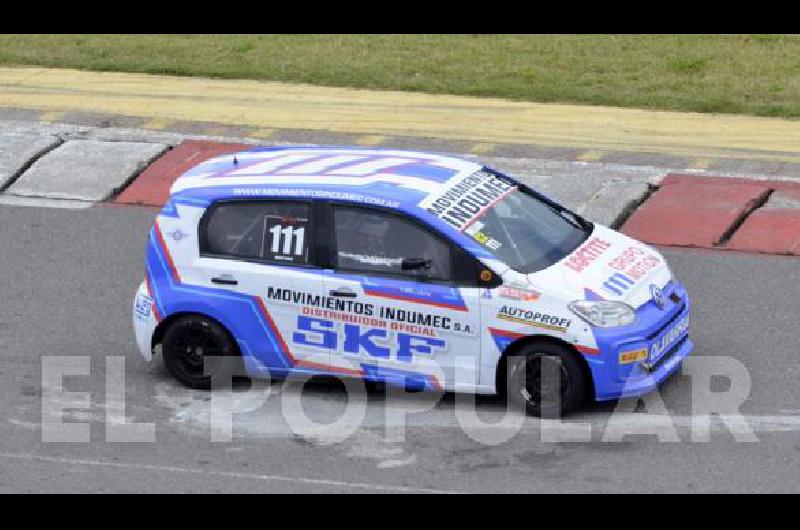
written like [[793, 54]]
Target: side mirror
[[410, 264]]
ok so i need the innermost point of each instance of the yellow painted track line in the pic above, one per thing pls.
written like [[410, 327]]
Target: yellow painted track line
[[701, 163], [370, 139], [592, 155], [51, 116], [157, 124], [482, 148], [272, 105]]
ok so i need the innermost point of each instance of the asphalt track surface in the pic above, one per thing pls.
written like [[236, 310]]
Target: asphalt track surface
[[66, 288]]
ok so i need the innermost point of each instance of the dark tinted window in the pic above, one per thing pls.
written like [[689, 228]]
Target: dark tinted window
[[377, 242], [527, 233], [274, 231]]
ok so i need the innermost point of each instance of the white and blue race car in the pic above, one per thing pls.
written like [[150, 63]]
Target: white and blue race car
[[407, 268]]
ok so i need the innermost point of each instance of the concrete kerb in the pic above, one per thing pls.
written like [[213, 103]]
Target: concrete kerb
[[94, 154], [105, 161], [97, 170], [19, 151]]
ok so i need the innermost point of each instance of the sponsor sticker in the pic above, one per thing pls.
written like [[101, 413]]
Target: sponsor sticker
[[358, 340], [618, 284], [515, 293], [668, 339], [143, 306], [587, 254], [316, 194], [635, 263], [628, 357], [178, 235], [534, 318], [368, 314], [474, 230], [462, 201]]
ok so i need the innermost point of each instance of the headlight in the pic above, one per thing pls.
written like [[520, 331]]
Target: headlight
[[604, 314]]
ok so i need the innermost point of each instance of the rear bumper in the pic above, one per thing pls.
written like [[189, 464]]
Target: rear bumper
[[663, 333], [145, 320]]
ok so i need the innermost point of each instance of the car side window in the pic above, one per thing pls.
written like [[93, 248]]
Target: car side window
[[377, 242], [261, 230]]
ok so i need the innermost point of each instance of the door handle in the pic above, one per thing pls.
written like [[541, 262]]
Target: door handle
[[225, 279], [343, 293]]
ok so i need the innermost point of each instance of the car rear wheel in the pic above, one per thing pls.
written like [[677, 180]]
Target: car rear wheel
[[197, 351], [546, 380]]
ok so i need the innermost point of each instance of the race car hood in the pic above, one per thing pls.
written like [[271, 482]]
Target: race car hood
[[607, 266]]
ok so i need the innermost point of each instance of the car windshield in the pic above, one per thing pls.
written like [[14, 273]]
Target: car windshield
[[527, 232]]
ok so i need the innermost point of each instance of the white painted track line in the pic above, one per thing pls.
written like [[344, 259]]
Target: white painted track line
[[383, 488], [40, 202]]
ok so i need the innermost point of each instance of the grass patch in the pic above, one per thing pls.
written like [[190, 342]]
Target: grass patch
[[749, 74]]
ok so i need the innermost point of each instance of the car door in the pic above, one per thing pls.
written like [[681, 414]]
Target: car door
[[400, 314], [262, 253]]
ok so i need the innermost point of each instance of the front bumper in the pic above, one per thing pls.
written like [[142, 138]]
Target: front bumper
[[662, 335]]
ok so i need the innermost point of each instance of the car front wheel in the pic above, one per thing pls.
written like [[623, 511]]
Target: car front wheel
[[547, 380]]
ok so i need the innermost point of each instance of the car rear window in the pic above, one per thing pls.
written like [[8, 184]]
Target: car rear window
[[263, 230]]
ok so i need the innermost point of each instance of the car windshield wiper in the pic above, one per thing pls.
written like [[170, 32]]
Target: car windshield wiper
[[574, 219], [571, 217]]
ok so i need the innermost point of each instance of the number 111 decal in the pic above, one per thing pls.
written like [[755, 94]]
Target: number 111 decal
[[287, 240]]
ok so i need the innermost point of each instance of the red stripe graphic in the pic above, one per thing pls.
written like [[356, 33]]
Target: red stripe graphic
[[328, 368], [175, 276], [514, 335], [437, 385], [409, 298], [274, 329], [507, 334], [150, 294], [299, 363], [586, 350]]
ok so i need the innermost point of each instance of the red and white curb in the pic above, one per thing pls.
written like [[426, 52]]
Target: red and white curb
[[80, 170], [724, 213], [687, 210]]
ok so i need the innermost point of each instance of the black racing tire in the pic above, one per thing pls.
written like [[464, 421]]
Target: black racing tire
[[199, 352], [524, 384]]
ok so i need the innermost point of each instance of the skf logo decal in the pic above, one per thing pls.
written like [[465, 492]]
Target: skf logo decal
[[618, 283], [628, 357], [534, 318], [587, 254], [356, 340], [517, 294]]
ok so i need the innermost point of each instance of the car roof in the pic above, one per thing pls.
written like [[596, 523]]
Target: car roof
[[423, 185], [402, 177]]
